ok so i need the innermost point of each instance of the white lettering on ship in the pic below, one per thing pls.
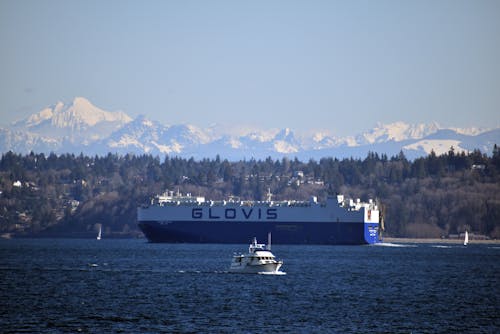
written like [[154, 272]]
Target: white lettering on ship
[[232, 213]]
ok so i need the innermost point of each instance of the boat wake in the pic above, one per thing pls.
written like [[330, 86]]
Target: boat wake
[[441, 246], [390, 244], [200, 272], [277, 273]]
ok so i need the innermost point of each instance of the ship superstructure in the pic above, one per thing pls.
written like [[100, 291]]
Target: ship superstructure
[[184, 218]]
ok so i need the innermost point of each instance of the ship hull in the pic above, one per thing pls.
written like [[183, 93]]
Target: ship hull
[[317, 233]]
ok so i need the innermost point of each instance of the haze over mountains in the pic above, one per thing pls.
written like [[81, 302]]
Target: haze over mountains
[[81, 127]]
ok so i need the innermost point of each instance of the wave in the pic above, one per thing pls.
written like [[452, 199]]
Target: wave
[[272, 273], [390, 244]]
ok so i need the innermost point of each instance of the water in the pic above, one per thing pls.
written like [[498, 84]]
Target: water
[[90, 286]]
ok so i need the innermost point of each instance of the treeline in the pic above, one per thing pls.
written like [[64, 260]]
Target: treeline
[[432, 196]]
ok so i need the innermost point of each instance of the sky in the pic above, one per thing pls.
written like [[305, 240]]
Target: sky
[[340, 66]]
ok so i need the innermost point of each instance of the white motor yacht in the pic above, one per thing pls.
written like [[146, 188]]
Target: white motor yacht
[[259, 260]]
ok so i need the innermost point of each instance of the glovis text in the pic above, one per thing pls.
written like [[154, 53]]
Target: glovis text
[[233, 213]]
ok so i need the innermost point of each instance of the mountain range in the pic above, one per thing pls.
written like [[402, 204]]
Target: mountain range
[[81, 127]]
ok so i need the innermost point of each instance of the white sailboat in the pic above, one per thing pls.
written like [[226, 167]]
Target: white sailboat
[[466, 238], [99, 234]]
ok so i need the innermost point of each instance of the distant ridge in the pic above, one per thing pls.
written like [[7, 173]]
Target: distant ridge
[[81, 127]]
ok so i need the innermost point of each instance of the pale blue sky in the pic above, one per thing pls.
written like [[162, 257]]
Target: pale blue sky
[[336, 65]]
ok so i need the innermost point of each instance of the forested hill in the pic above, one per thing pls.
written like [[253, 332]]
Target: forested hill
[[68, 195]]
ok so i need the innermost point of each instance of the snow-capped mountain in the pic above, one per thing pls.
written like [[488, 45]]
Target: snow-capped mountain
[[146, 136], [396, 132], [82, 127], [73, 122]]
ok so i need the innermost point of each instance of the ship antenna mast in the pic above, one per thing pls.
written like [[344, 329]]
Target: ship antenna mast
[[269, 195]]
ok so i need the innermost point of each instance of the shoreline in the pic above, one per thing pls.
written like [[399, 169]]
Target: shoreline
[[438, 241], [87, 235]]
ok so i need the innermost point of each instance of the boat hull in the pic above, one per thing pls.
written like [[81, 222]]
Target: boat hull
[[255, 269], [318, 233]]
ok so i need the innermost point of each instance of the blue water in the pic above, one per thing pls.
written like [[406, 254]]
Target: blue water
[[90, 286]]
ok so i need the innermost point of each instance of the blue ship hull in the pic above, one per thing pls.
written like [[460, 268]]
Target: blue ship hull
[[317, 233]]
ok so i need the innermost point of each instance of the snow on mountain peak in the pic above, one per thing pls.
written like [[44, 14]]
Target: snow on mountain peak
[[282, 146], [438, 146], [37, 118], [285, 134], [92, 129], [81, 112], [234, 143], [472, 131], [263, 135], [320, 136], [81, 102], [147, 122], [397, 131], [202, 136]]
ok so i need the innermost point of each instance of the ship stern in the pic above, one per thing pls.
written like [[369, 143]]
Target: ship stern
[[371, 233]]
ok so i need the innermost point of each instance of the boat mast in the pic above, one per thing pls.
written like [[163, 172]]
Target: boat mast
[[269, 195]]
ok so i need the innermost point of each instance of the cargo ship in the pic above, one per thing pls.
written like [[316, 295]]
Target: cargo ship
[[175, 218]]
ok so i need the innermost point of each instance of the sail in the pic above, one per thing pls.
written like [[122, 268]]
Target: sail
[[466, 238], [99, 234]]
